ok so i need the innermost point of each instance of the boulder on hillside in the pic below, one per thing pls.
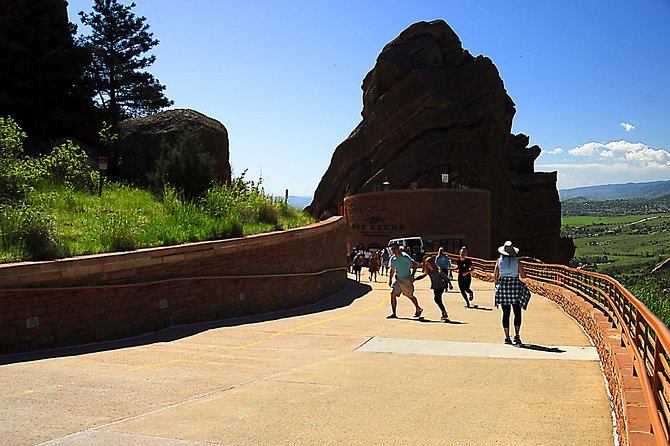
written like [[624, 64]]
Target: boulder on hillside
[[431, 108], [140, 140]]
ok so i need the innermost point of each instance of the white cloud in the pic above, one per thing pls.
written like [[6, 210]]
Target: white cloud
[[627, 126], [556, 151], [588, 149], [614, 162], [628, 153]]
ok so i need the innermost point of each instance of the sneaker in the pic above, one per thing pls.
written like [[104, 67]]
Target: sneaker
[[472, 296], [418, 312], [392, 316], [445, 317], [517, 340], [508, 341]]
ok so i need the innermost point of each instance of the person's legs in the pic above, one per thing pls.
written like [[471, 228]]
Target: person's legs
[[468, 283], [517, 322], [437, 296], [463, 286], [506, 310], [408, 290], [394, 304], [418, 309]]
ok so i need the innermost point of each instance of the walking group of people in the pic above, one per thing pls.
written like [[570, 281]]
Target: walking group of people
[[376, 262], [511, 293]]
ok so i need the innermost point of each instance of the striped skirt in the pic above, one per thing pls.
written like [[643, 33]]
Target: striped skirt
[[510, 291]]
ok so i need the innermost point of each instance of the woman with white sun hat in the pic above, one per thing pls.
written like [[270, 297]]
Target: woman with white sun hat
[[510, 293]]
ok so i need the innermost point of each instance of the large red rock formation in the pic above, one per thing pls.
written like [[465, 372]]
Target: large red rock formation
[[430, 108]]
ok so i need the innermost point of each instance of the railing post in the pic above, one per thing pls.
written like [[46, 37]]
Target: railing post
[[655, 380]]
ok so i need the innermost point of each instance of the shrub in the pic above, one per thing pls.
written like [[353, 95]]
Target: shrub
[[40, 243], [68, 165], [184, 165], [11, 141], [11, 148]]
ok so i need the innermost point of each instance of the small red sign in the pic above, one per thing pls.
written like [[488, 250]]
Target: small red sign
[[102, 163]]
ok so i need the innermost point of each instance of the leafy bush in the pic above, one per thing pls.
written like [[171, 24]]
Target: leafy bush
[[184, 165], [69, 165], [11, 141], [11, 149]]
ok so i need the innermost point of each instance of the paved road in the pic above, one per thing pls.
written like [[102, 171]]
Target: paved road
[[334, 373]]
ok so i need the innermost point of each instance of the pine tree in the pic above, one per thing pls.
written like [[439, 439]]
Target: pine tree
[[119, 41], [42, 83]]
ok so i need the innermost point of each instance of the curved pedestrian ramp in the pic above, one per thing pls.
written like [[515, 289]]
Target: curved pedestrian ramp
[[335, 373]]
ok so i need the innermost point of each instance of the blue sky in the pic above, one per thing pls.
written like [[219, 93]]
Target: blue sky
[[590, 79]]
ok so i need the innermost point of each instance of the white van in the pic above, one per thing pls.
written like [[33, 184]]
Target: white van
[[411, 245]]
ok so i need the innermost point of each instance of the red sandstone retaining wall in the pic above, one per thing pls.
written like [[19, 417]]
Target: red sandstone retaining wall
[[109, 296], [453, 214]]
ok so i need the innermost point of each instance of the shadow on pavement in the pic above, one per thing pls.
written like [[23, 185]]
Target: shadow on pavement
[[344, 298], [450, 321], [541, 348], [477, 307]]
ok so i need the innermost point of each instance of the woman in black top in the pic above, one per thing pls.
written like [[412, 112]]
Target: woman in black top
[[464, 267], [438, 283]]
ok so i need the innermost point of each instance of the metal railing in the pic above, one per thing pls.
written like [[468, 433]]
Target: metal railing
[[643, 334]]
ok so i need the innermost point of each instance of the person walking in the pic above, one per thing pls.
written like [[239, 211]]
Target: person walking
[[373, 266], [438, 283], [352, 255], [385, 261], [443, 261], [358, 265], [465, 268], [401, 279], [511, 293]]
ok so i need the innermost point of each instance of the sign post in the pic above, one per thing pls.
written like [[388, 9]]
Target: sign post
[[102, 167], [445, 179]]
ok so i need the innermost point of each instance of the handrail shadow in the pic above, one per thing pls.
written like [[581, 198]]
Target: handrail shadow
[[353, 291]]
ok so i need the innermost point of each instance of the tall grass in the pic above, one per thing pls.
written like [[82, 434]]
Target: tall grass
[[64, 221]]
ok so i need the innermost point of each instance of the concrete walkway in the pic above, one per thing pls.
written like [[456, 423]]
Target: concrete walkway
[[336, 373]]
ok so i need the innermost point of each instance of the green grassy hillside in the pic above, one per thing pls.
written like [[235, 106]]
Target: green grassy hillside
[[626, 247]]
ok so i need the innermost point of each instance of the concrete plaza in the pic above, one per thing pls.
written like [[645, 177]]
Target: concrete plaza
[[337, 372]]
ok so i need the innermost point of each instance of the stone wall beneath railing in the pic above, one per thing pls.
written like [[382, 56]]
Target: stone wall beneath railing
[[628, 403]]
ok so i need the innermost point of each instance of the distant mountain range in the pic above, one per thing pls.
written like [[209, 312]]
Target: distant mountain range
[[654, 189]]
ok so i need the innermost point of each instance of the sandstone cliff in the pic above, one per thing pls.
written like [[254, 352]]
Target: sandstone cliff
[[429, 108]]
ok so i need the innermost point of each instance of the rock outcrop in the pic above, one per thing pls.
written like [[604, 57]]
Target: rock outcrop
[[140, 140], [431, 108]]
